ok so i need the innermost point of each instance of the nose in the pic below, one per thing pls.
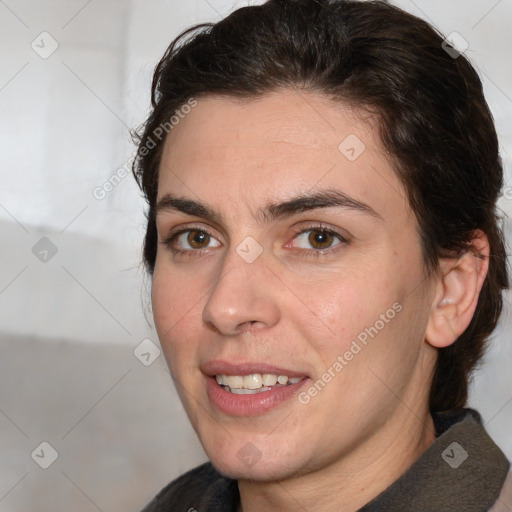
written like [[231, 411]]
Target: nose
[[244, 297]]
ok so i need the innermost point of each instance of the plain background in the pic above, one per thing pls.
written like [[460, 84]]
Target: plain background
[[73, 299]]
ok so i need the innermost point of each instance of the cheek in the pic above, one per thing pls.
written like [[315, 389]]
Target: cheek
[[164, 303], [343, 307], [173, 295], [175, 310]]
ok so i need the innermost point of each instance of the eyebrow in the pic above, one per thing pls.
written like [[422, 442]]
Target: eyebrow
[[329, 198]]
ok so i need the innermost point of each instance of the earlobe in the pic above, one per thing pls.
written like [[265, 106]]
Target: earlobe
[[458, 285], [441, 329]]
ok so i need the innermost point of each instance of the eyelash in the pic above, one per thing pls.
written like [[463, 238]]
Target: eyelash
[[171, 239]]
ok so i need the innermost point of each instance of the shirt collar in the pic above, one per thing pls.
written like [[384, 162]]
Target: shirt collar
[[462, 469]]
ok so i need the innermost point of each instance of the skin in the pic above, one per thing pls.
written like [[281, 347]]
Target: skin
[[300, 306]]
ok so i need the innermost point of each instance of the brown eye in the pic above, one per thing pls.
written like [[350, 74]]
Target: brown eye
[[198, 239], [192, 240], [320, 239]]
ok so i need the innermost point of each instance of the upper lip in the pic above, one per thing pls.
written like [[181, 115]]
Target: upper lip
[[221, 367]]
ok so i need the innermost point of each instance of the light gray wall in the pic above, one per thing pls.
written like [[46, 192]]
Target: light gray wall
[[69, 324]]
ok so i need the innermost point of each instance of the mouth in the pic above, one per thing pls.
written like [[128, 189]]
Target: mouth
[[254, 383], [249, 389]]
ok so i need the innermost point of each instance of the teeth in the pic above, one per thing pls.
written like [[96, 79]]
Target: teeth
[[234, 381], [269, 379], [255, 382], [249, 391], [252, 381]]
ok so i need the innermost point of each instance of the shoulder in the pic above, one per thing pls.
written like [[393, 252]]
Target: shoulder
[[199, 490]]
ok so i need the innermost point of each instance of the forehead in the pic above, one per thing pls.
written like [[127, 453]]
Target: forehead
[[235, 153]]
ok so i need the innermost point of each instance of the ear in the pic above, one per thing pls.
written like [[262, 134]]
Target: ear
[[458, 284]]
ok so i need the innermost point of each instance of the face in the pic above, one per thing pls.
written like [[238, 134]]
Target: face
[[289, 292]]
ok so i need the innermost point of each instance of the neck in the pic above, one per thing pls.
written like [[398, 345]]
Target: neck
[[348, 484]]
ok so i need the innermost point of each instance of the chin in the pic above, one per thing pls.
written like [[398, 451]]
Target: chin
[[259, 471], [243, 460]]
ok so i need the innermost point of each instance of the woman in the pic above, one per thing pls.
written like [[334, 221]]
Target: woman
[[326, 261]]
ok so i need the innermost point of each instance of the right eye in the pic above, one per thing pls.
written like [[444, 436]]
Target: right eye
[[191, 240]]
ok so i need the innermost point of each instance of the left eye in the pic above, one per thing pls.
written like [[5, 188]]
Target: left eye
[[317, 239], [195, 239]]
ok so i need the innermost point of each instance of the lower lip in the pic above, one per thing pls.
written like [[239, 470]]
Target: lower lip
[[250, 405]]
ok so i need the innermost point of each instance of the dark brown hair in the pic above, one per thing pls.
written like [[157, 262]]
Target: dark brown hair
[[434, 123]]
